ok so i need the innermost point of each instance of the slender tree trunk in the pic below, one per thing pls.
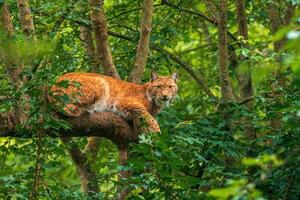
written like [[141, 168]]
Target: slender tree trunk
[[244, 75], [143, 45], [226, 89], [88, 178], [101, 37], [86, 37], [278, 20], [123, 156], [26, 18], [7, 22]]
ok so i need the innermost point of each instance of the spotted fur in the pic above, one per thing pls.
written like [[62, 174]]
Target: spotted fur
[[99, 93]]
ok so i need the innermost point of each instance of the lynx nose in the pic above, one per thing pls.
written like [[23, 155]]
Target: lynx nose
[[165, 97]]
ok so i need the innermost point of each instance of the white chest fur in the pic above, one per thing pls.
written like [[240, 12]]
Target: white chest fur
[[105, 103], [102, 104]]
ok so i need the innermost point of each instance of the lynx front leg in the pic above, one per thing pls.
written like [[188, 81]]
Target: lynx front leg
[[144, 123]]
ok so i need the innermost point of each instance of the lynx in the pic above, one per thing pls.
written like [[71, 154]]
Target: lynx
[[99, 93]]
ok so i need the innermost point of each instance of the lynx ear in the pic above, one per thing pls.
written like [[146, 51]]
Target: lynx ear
[[174, 76], [154, 76]]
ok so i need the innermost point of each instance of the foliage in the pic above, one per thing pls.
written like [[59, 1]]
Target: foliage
[[196, 156]]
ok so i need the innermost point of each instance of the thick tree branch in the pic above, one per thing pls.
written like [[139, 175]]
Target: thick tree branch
[[144, 41], [105, 125]]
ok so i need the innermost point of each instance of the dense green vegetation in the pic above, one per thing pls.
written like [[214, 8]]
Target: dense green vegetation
[[211, 147]]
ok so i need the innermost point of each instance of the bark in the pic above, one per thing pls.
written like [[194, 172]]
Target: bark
[[280, 15], [226, 89], [10, 64], [86, 37], [101, 38], [105, 125], [12, 67], [7, 22], [88, 178], [212, 9], [279, 20], [26, 18], [123, 156], [144, 41], [244, 75]]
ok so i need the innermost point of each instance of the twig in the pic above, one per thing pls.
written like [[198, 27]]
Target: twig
[[291, 179], [201, 15], [246, 100]]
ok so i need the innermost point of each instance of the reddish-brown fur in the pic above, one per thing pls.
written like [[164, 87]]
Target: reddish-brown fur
[[99, 93]]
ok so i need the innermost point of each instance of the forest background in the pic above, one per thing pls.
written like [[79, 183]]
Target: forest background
[[232, 132]]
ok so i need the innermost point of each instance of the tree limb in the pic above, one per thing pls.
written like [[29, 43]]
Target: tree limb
[[201, 15], [144, 41], [104, 124], [188, 68], [101, 37]]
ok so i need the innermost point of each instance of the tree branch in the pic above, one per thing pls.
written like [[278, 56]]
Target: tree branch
[[144, 41], [86, 37], [106, 124], [188, 68], [201, 15], [101, 37]]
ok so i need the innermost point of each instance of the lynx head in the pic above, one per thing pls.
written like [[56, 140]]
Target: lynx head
[[162, 89]]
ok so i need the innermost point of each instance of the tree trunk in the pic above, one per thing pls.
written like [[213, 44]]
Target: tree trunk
[[101, 37], [26, 18], [226, 89], [86, 37], [7, 22], [244, 75], [123, 156], [143, 45], [88, 178], [278, 20]]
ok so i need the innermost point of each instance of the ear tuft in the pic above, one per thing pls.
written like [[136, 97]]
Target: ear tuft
[[174, 76], [154, 76]]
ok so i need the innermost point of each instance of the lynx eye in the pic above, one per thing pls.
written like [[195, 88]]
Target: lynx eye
[[171, 86]]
